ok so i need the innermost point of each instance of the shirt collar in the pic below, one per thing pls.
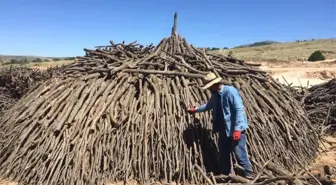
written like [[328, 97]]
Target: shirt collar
[[221, 91]]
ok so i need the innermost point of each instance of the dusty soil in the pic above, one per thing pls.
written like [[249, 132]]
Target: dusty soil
[[328, 153], [305, 77], [298, 74], [301, 73]]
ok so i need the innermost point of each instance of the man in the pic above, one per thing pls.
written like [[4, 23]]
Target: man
[[229, 120]]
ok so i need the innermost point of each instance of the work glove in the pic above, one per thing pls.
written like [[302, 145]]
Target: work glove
[[236, 135], [191, 110]]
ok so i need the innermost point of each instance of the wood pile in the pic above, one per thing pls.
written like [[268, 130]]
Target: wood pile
[[320, 103], [15, 82], [324, 175], [119, 113]]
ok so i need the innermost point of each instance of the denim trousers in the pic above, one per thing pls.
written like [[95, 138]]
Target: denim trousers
[[226, 145]]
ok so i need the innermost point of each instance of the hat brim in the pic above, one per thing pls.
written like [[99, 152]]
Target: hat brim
[[211, 83]]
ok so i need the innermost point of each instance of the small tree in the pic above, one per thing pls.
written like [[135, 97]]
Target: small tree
[[37, 60], [69, 58], [14, 61], [316, 56], [25, 60], [230, 54]]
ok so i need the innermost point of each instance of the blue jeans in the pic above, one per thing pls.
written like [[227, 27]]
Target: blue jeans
[[226, 145]]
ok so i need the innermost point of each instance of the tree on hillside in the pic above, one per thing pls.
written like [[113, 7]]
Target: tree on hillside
[[70, 58], [316, 56], [14, 61], [25, 60], [230, 53], [37, 60]]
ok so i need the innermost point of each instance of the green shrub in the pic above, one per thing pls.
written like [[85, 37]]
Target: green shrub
[[37, 60], [230, 53], [14, 61], [214, 48], [316, 56], [70, 58]]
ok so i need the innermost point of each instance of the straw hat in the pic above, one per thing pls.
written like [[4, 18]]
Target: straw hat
[[211, 78]]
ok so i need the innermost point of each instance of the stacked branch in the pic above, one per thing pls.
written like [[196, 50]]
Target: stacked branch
[[320, 103], [119, 113], [321, 175], [15, 82]]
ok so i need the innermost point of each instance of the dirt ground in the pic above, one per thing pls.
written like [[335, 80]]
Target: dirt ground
[[298, 73], [328, 153], [301, 73], [305, 77]]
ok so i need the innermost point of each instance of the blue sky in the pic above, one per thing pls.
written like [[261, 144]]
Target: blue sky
[[65, 27]]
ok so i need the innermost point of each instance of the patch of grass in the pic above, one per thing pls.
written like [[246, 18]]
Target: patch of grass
[[293, 51]]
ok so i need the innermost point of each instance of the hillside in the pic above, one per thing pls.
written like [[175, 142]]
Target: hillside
[[291, 51], [262, 43], [6, 58], [34, 61]]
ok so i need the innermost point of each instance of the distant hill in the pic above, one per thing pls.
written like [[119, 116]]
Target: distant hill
[[262, 43], [298, 50], [6, 58], [9, 57]]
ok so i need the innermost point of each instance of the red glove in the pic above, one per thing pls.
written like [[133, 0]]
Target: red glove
[[191, 110], [236, 135]]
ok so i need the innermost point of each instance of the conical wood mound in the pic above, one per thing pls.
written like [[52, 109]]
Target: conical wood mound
[[119, 113]]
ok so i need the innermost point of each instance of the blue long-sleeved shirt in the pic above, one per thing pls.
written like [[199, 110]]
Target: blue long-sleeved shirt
[[233, 111]]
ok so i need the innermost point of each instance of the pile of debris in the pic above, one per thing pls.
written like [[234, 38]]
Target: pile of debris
[[15, 82], [119, 113], [320, 104]]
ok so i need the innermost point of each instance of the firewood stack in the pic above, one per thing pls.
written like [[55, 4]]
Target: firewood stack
[[320, 103], [119, 113], [15, 82]]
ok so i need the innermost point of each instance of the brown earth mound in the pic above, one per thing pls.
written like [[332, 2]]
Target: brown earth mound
[[321, 74]]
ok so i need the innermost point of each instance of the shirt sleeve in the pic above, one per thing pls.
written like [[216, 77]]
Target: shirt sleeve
[[207, 106], [238, 106]]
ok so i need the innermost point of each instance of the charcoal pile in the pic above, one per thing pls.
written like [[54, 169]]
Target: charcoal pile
[[320, 104], [15, 82], [119, 113]]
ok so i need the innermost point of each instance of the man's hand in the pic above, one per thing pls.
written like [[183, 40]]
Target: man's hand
[[236, 135], [191, 110]]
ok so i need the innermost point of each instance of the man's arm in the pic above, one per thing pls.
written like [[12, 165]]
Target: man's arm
[[238, 106], [206, 107]]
